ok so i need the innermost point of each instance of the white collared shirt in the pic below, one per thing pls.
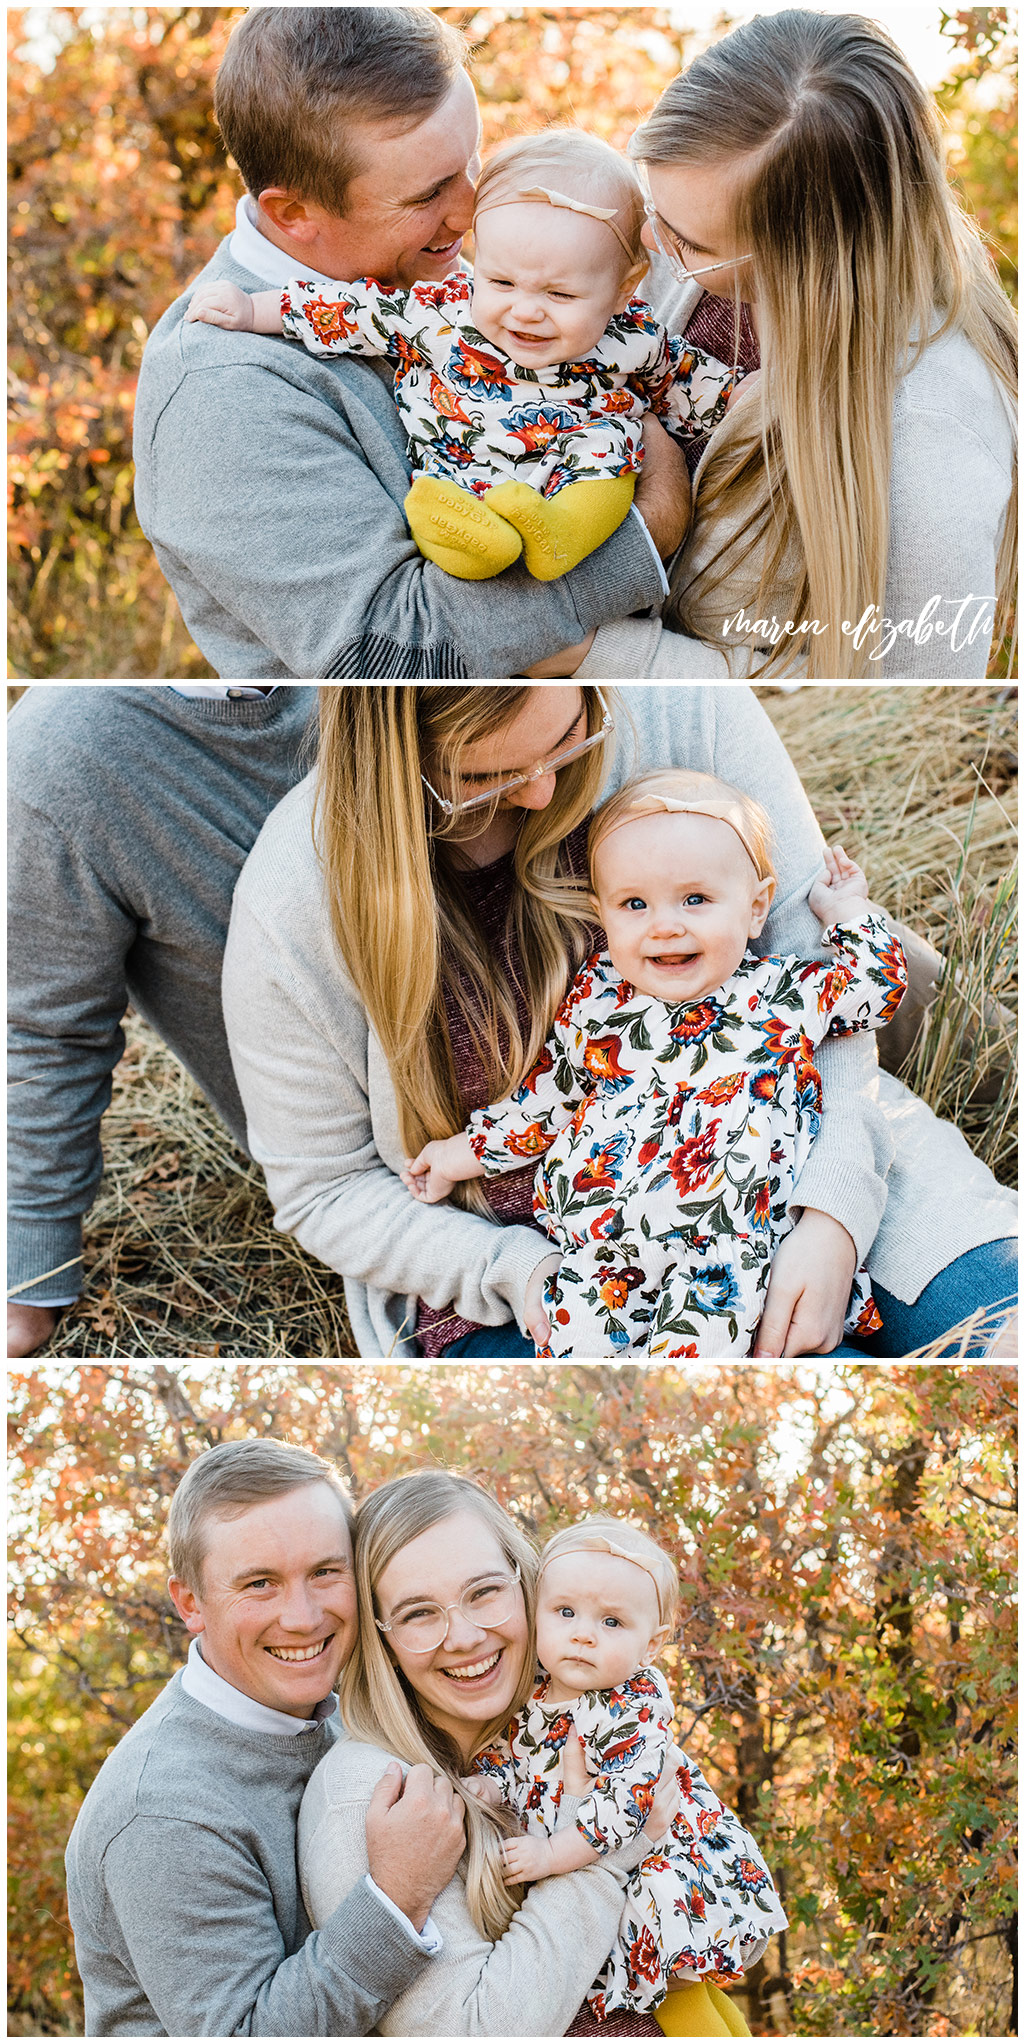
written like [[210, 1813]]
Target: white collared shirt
[[218, 691], [202, 1682]]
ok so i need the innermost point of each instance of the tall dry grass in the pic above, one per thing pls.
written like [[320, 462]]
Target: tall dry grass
[[919, 783]]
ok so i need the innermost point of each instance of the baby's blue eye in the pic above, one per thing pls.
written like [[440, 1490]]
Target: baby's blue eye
[[566, 1611], [611, 1621], [694, 900], [635, 902]]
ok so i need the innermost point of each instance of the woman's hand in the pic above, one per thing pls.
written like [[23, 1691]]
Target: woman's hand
[[664, 497], [809, 1289], [535, 1314], [665, 1807]]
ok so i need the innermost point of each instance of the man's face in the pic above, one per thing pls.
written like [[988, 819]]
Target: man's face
[[276, 1609], [407, 211]]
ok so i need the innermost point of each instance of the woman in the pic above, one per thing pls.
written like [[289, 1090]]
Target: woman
[[869, 472], [401, 966], [507, 1967]]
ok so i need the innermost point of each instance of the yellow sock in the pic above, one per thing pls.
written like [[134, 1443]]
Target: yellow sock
[[459, 531], [688, 2011], [729, 2012], [560, 531]]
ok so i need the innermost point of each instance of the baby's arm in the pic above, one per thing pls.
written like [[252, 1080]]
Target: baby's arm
[[534, 1859], [865, 986], [223, 304]]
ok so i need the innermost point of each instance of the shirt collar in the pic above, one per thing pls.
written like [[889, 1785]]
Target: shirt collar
[[206, 1686], [217, 691], [262, 258]]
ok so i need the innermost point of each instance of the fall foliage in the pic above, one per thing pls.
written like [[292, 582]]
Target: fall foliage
[[845, 1666], [120, 192]]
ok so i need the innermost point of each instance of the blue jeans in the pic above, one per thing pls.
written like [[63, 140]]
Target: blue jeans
[[984, 1277]]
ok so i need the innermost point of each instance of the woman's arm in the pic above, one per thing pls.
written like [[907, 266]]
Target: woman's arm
[[320, 1107], [529, 1984]]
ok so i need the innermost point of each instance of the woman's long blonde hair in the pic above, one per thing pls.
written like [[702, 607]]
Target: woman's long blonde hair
[[379, 1705], [859, 247], [402, 918]]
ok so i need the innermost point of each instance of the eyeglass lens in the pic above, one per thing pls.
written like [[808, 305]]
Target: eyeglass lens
[[485, 1604], [547, 766]]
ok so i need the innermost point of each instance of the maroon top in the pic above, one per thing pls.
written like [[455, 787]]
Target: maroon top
[[713, 327], [490, 890], [619, 2024]]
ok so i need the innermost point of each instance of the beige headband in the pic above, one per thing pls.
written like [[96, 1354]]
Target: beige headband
[[541, 194], [589, 1546], [726, 812]]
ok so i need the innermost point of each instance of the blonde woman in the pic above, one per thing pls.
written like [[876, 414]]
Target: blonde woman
[[446, 1587], [401, 935], [865, 481]]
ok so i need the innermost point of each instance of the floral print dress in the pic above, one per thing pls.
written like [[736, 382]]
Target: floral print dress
[[704, 1904], [474, 417], [670, 1141]]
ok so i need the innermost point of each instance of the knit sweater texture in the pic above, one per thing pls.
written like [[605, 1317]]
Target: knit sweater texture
[[184, 1895], [130, 812], [322, 1114]]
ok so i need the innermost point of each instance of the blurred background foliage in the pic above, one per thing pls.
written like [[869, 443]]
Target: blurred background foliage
[[120, 192], [845, 1666]]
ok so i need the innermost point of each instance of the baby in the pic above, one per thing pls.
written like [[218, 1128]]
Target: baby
[[522, 388], [676, 1099], [702, 1905]]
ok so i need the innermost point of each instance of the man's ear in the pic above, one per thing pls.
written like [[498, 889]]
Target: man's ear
[[290, 215], [186, 1604], [760, 906]]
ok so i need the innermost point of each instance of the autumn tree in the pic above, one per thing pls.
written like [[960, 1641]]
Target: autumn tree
[[845, 1661]]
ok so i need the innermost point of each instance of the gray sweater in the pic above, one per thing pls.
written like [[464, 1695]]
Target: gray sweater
[[271, 485], [130, 813], [184, 1894], [321, 1107]]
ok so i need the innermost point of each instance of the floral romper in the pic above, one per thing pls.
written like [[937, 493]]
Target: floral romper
[[671, 1140], [474, 417], [703, 1904]]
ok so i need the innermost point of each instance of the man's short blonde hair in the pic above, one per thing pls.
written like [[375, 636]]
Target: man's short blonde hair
[[229, 1480], [579, 167], [657, 794], [600, 1533]]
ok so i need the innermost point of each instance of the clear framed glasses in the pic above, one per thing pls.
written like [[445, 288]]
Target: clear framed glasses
[[544, 766], [490, 1601], [668, 245]]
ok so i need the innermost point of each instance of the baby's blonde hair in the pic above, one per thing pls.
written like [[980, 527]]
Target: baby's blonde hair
[[600, 1533], [582, 168], [656, 794]]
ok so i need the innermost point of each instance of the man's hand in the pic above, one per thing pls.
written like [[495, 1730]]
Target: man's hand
[[29, 1328], [535, 1312], [663, 495], [809, 1289], [415, 1837]]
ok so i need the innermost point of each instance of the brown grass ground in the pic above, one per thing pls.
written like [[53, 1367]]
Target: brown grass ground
[[918, 782]]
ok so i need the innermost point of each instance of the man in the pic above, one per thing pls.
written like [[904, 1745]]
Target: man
[[270, 481], [130, 813], [182, 1881]]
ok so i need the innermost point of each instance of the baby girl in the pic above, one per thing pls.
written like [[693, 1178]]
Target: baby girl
[[676, 1099], [523, 387], [700, 1908]]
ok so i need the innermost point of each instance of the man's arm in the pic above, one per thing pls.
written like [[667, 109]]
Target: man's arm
[[194, 1920], [271, 485]]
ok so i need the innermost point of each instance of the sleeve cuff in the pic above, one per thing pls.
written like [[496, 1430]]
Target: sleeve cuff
[[427, 1940], [659, 563], [44, 1262]]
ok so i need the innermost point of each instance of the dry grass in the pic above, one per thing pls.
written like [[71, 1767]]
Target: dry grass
[[919, 783]]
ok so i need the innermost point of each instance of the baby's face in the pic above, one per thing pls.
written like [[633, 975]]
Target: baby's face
[[597, 1622], [545, 282], [679, 899]]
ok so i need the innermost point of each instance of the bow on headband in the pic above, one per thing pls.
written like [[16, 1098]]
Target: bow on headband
[[725, 811], [540, 194]]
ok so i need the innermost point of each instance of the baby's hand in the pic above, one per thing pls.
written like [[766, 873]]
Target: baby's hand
[[843, 890], [483, 1788], [221, 304], [525, 1859], [440, 1166]]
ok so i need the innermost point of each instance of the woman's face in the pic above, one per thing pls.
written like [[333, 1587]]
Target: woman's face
[[471, 1678], [551, 720], [695, 203]]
